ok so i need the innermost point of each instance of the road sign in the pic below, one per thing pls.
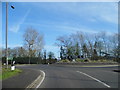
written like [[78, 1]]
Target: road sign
[[9, 58]]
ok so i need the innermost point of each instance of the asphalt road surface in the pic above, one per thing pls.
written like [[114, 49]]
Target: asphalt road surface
[[21, 80], [77, 77]]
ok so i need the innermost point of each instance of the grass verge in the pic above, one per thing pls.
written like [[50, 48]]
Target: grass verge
[[7, 73]]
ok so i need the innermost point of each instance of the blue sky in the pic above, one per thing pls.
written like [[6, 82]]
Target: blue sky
[[53, 19]]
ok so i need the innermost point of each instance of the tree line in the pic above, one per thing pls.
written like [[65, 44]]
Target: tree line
[[31, 51], [77, 45], [92, 46]]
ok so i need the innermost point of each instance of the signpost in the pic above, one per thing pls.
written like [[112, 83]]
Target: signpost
[[9, 58]]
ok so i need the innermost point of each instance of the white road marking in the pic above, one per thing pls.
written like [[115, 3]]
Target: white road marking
[[94, 79], [41, 80]]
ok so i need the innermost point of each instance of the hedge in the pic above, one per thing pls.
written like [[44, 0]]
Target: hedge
[[25, 60]]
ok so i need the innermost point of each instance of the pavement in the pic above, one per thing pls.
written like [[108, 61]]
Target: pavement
[[65, 77]]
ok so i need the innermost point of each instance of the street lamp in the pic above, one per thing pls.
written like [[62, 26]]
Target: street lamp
[[12, 7], [7, 32], [30, 44]]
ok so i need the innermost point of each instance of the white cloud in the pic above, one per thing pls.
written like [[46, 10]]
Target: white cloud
[[68, 28], [15, 28], [104, 11], [11, 45]]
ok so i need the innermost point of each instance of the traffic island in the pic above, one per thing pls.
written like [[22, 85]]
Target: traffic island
[[87, 64]]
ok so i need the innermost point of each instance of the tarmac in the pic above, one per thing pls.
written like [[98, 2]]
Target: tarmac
[[22, 80], [30, 74]]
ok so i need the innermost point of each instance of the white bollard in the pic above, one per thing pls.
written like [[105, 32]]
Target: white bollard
[[12, 68]]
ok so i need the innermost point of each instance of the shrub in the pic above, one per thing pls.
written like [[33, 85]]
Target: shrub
[[87, 60], [103, 60], [83, 60], [79, 60], [66, 60]]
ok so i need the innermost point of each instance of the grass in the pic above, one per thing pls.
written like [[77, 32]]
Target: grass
[[7, 73]]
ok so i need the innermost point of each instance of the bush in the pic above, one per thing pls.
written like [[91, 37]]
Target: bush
[[82, 60], [87, 60], [101, 60], [66, 60], [104, 60], [79, 60]]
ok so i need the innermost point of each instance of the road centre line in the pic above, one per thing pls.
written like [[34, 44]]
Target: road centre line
[[94, 79], [42, 79]]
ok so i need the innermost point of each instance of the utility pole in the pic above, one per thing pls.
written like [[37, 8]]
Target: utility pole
[[6, 33]]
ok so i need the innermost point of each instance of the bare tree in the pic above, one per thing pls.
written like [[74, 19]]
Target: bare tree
[[103, 37], [91, 45], [33, 41], [114, 43], [81, 40], [85, 51], [65, 46]]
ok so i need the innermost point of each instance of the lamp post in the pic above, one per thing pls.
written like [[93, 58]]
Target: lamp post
[[30, 44], [7, 32]]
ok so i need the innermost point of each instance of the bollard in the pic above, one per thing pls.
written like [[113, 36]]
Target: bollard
[[12, 68]]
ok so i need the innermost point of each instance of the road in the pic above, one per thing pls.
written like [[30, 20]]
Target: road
[[77, 77], [21, 80]]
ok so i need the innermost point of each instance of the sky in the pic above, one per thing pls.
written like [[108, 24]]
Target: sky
[[54, 19]]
